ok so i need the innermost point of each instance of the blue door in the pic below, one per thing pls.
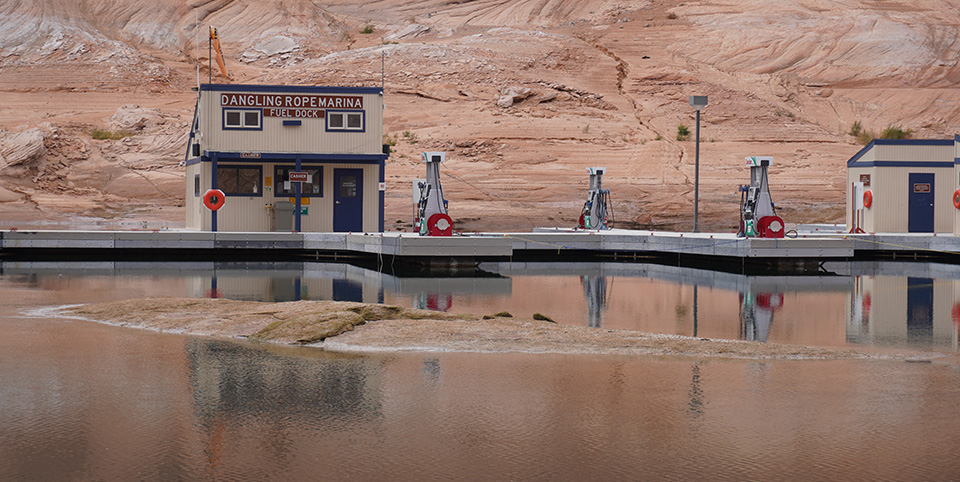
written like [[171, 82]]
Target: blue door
[[920, 215], [348, 200]]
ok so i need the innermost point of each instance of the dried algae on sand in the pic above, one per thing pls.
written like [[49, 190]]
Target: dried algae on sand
[[350, 326]]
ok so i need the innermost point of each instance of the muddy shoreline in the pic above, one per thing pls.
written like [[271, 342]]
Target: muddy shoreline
[[360, 327]]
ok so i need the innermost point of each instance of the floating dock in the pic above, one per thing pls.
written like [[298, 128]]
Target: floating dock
[[718, 251]]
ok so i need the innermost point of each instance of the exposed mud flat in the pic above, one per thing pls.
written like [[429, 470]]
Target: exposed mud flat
[[348, 326]]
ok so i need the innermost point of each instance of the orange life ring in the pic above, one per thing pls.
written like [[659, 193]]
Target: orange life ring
[[956, 199], [214, 199], [867, 198]]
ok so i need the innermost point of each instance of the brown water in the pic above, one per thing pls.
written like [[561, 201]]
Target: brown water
[[84, 401]]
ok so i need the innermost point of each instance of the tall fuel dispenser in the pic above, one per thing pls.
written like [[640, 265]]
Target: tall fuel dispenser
[[594, 213], [758, 217], [431, 212]]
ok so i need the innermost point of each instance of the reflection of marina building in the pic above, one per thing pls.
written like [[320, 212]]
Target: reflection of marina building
[[893, 310], [229, 377], [287, 282]]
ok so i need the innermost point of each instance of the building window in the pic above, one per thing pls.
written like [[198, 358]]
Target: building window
[[242, 119], [345, 121], [196, 185], [311, 188], [240, 180]]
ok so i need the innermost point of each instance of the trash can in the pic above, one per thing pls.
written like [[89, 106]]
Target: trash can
[[283, 216]]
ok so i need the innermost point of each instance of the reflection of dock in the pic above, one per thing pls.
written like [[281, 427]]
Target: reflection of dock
[[717, 251], [283, 281], [676, 274]]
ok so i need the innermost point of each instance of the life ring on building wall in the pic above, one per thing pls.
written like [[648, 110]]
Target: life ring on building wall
[[956, 199], [867, 198], [214, 199]]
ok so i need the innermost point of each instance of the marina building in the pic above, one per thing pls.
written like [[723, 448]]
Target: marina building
[[286, 158]]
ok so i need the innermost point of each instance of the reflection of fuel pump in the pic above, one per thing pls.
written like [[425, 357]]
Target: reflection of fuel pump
[[756, 314], [431, 213], [594, 214], [434, 301], [595, 291], [757, 215]]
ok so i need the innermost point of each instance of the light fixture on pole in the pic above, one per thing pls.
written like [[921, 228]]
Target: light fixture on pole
[[698, 102]]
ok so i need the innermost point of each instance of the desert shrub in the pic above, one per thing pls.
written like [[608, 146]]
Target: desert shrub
[[683, 132], [896, 132], [856, 129], [367, 30], [104, 134]]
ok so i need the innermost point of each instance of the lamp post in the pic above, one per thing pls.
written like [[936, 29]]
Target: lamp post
[[698, 102]]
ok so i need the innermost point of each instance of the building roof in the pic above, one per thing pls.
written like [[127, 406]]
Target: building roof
[[853, 162], [297, 89]]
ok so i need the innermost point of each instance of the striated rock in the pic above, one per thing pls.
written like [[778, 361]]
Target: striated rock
[[20, 147], [132, 117], [413, 30], [512, 95]]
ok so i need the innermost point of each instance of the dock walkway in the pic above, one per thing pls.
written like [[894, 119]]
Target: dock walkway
[[804, 252]]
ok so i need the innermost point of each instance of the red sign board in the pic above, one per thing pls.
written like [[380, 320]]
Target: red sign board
[[298, 176], [921, 187], [300, 113], [865, 179], [291, 101]]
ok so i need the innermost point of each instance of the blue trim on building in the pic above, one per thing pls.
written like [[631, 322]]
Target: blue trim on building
[[383, 164], [905, 164], [294, 123], [902, 142], [298, 89], [195, 160], [235, 157]]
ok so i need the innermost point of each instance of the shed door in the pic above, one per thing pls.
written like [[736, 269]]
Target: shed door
[[920, 214], [348, 200]]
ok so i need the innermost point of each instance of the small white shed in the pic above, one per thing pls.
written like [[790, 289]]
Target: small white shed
[[903, 186]]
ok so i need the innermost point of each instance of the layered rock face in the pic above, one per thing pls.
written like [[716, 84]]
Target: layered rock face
[[95, 99]]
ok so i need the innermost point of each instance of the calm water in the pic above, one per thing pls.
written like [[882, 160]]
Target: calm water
[[84, 401]]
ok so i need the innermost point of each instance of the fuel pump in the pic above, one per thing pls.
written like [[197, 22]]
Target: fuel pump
[[431, 213], [758, 217], [594, 213]]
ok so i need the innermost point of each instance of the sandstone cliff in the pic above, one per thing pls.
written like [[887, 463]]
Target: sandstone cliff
[[523, 95]]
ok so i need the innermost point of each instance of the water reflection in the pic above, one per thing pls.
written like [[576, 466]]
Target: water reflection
[[595, 293], [885, 304]]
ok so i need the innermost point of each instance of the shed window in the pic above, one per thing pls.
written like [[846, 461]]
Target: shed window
[[241, 119], [240, 180], [345, 121], [314, 188]]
